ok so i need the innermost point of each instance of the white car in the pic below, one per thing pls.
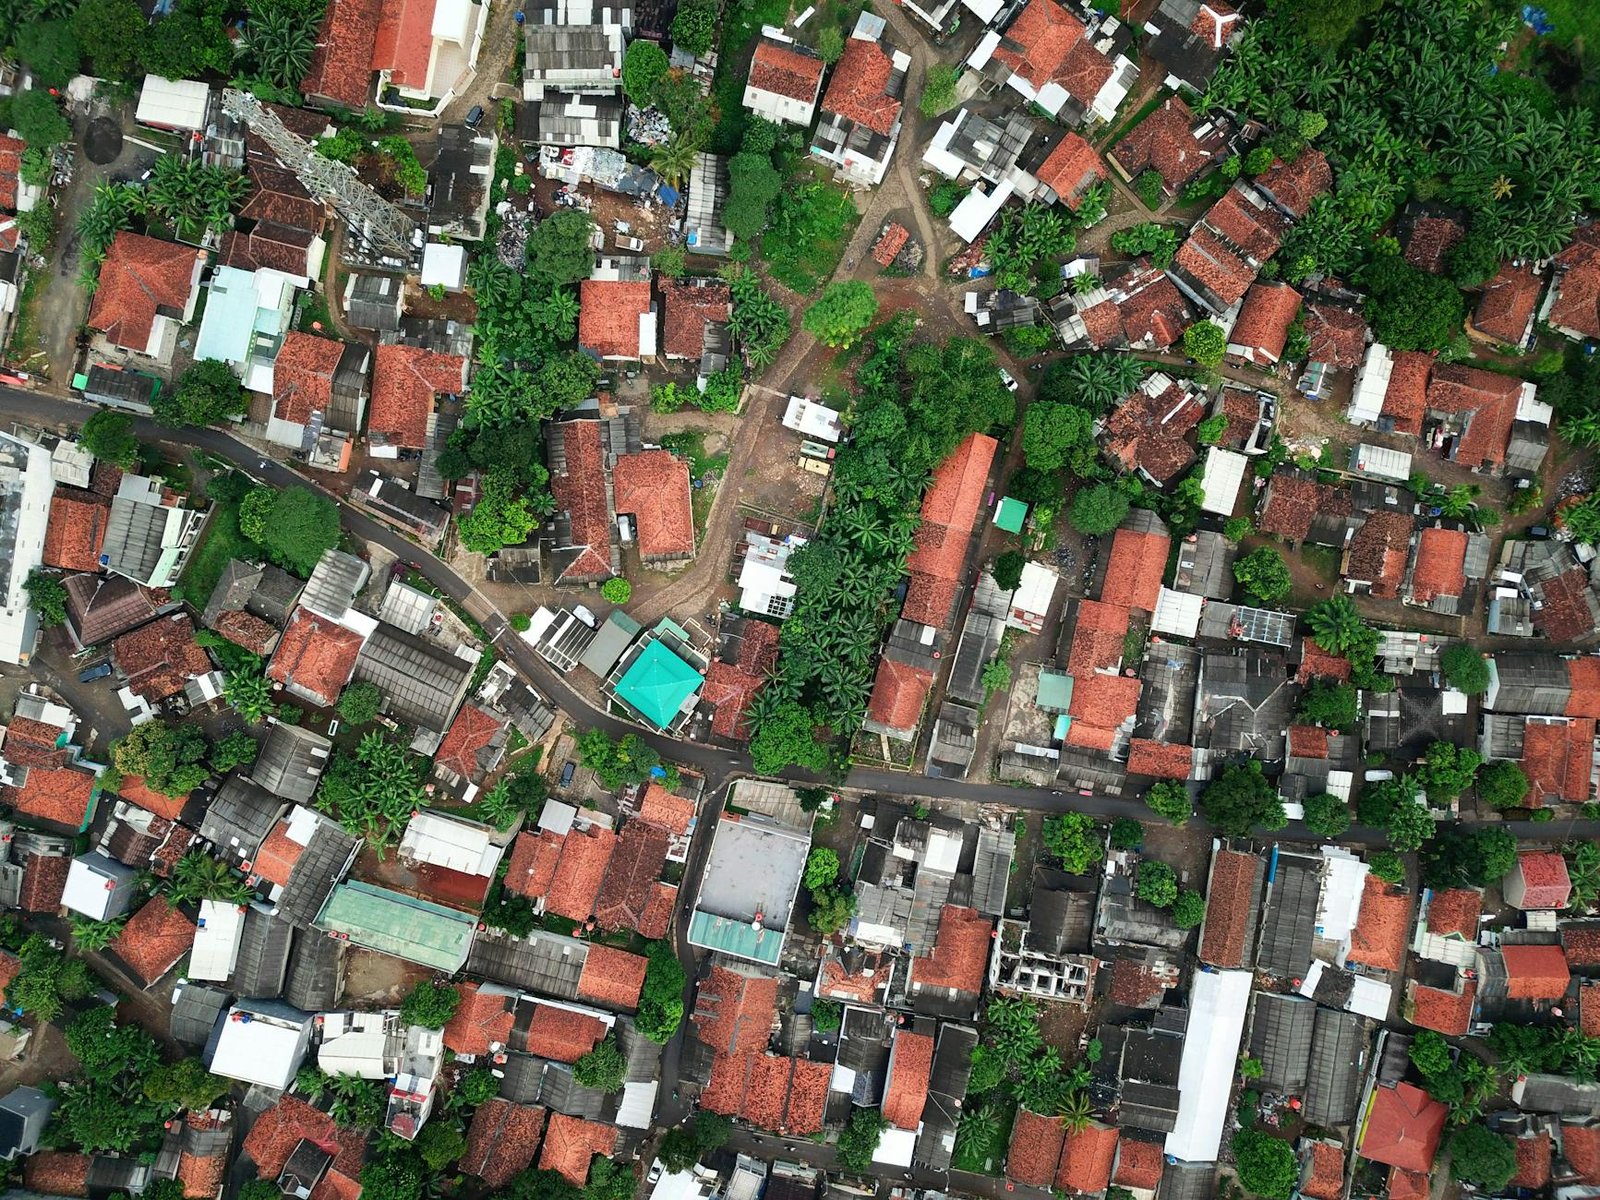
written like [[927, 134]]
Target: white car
[[655, 1172], [1008, 379]]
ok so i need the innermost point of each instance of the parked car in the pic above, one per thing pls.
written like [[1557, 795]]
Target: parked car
[[567, 772], [474, 116], [98, 671], [1008, 379]]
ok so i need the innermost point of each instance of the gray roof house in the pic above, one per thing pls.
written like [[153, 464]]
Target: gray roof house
[[291, 761], [196, 1008], [373, 301], [24, 1113], [1244, 705], [258, 589], [263, 954], [1338, 1058], [239, 818], [320, 866], [335, 583], [571, 58], [703, 228], [1289, 917], [316, 973], [952, 1067], [1280, 1040], [148, 534], [422, 685], [565, 118]]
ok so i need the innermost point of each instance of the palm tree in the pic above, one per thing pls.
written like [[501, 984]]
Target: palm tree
[[282, 45], [357, 1103], [95, 935], [1459, 501], [1075, 1111], [560, 313], [1336, 624], [673, 160], [198, 876], [978, 1131]]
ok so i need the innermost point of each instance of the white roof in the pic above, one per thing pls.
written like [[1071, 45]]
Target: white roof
[[1034, 592], [1177, 613], [1223, 477], [88, 890], [638, 1104], [984, 50], [445, 265], [938, 156], [682, 1185], [363, 1044], [1368, 998], [895, 1147], [1372, 383], [812, 419], [446, 842], [973, 214], [1529, 408], [216, 941], [1340, 904], [257, 1049], [1217, 1004], [557, 817], [1382, 462], [173, 103], [984, 10]]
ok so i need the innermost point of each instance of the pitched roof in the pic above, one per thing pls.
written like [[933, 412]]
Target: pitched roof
[[141, 278], [1338, 335], [1589, 1007], [1161, 760], [1533, 1160], [1086, 1158], [1381, 929], [1507, 303], [1535, 972], [1583, 678], [10, 170], [57, 795], [1035, 1149], [612, 977], [1558, 759], [1432, 237], [769, 1090], [1139, 1164], [1134, 568], [1544, 878], [405, 380], [1325, 1179], [502, 1140], [1455, 911], [153, 940], [735, 1010], [579, 873], [1165, 142], [1308, 741], [1581, 942], [1580, 1145], [30, 743], [1575, 300], [481, 1020], [1378, 552], [731, 686], [1443, 1011], [1403, 1128], [1101, 704], [949, 515], [1294, 185], [910, 1068], [671, 812], [1264, 319], [532, 864], [1488, 400], [562, 1035], [56, 1173], [783, 71], [570, 1145], [247, 631], [1564, 613], [1039, 41], [960, 953], [404, 42], [341, 64], [76, 530], [202, 1174], [1407, 1185], [889, 244], [608, 317], [1071, 169], [689, 305], [276, 1133], [1231, 900], [654, 486], [1293, 502], [1440, 565], [1148, 432], [470, 735], [580, 490], [316, 656], [629, 889], [1406, 398], [1218, 267], [858, 90], [302, 376], [899, 690], [159, 658], [134, 790]]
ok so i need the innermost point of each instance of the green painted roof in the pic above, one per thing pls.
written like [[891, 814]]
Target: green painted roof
[[1055, 691], [1010, 514], [394, 923], [735, 937], [657, 684]]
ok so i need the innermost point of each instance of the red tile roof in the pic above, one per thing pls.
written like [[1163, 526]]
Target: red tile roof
[[787, 1094], [1581, 944], [1135, 985], [949, 515], [141, 278], [1308, 741], [1455, 912], [1404, 1125], [689, 305], [1035, 1149], [899, 691], [1407, 1185], [1507, 304], [278, 854], [1137, 562], [608, 317], [1264, 319], [808, 1097], [278, 247], [960, 953], [1216, 265], [1231, 899], [1294, 185], [580, 872], [56, 795], [10, 968], [247, 631], [1097, 638], [1488, 401], [1431, 238], [786, 72], [1101, 704], [1139, 1164], [1155, 313], [1338, 335], [1535, 972], [1406, 398], [1533, 1161], [1440, 566], [1161, 760], [1381, 930], [404, 42], [1256, 232], [561, 1034], [30, 743], [570, 1145], [133, 790], [1558, 759], [889, 244], [580, 490], [1545, 880], [910, 1068], [1378, 553], [44, 879], [1576, 303], [1038, 43], [341, 64], [405, 381], [302, 376], [153, 940], [532, 865], [731, 686], [1148, 432], [501, 1141], [857, 90], [1583, 678], [612, 977], [471, 734], [1446, 1012], [629, 885], [661, 807], [202, 1176], [10, 170], [1293, 501], [1580, 1144], [654, 486], [482, 1020], [76, 530], [1071, 169], [1086, 1158], [316, 655], [56, 1173], [1325, 1179], [1589, 1008], [1165, 143], [159, 658], [1564, 614], [734, 1011], [858, 986]]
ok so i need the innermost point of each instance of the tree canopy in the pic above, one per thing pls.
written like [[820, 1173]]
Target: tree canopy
[[1240, 799], [1075, 840], [842, 314], [1266, 1165], [1263, 574], [208, 392]]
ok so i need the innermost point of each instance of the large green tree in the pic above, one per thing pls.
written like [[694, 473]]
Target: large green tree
[[1264, 575], [109, 435], [208, 392], [1482, 1157], [1411, 309], [1241, 799], [1075, 840], [1266, 1165], [1098, 510], [112, 34], [842, 314], [559, 250], [1056, 435], [51, 50]]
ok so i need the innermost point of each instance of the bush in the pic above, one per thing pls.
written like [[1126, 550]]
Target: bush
[[1188, 910], [1267, 1165], [360, 702], [47, 596], [1387, 866], [1264, 575], [643, 66], [1098, 510], [1126, 834], [842, 314], [1465, 669], [1008, 570], [695, 27], [431, 1004], [1480, 1156], [1074, 839], [1157, 884], [521, 622], [661, 1002], [616, 591], [1149, 186], [938, 90]]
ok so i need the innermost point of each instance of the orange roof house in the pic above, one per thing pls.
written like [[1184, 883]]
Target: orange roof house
[[688, 307], [731, 686], [949, 515], [1444, 1010], [910, 1068], [1558, 757], [612, 977], [1438, 567], [1135, 566], [60, 796], [1262, 329], [1382, 927], [570, 1145], [405, 382], [482, 1020], [1575, 293], [735, 1010], [1166, 142], [769, 1090], [1148, 431], [316, 658], [76, 530], [1322, 1177], [578, 483], [1535, 972], [1035, 1149], [579, 873], [784, 82], [1232, 900], [1538, 881], [1070, 170], [152, 941], [1086, 1158], [1293, 185], [1476, 409], [562, 1035], [629, 888], [1160, 760], [1293, 501], [1403, 1127], [1378, 553], [899, 691], [959, 957], [1506, 309], [147, 289], [858, 91], [653, 487], [302, 377], [341, 63], [159, 658], [501, 1141], [617, 319]]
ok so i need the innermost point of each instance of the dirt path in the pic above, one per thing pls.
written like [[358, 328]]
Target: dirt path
[[500, 37]]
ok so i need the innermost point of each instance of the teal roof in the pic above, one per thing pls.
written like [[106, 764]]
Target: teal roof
[[1010, 514], [739, 938], [657, 684], [1063, 723], [394, 923], [1055, 691]]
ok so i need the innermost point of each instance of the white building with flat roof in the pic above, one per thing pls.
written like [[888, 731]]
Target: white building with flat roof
[[26, 486], [216, 940], [181, 105], [463, 846], [813, 419], [1217, 1005]]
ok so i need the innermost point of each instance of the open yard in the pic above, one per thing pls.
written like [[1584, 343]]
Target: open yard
[[811, 225], [220, 541]]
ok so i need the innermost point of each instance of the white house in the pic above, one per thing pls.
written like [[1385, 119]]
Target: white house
[[26, 486], [99, 887], [262, 1041], [462, 846], [812, 419], [785, 80], [247, 314], [181, 105], [216, 940]]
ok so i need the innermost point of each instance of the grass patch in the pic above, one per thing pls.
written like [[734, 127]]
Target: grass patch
[[691, 444], [986, 1156], [1574, 20], [25, 337], [314, 313], [1324, 560], [830, 217], [223, 540]]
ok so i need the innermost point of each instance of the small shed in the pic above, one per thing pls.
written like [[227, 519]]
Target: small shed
[[216, 940], [1224, 475], [177, 104]]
